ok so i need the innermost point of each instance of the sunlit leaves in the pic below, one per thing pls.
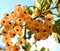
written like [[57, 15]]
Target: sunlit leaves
[[56, 37], [58, 10], [42, 4], [56, 30], [55, 2], [37, 4], [56, 26]]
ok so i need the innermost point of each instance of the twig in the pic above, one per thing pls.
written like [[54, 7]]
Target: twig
[[25, 32], [51, 8], [46, 11]]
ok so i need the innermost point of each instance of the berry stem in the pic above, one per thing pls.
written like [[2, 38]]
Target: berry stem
[[25, 32]]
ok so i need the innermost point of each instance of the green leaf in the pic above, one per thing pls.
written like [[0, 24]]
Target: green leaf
[[28, 46], [55, 2], [36, 50], [56, 37], [58, 10], [58, 2], [42, 4], [45, 6], [44, 49], [56, 27], [37, 4], [49, 1], [58, 40], [30, 33]]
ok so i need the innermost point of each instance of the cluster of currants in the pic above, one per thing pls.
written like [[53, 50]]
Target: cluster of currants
[[13, 25]]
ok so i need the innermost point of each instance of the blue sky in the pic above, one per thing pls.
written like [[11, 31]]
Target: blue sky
[[7, 6]]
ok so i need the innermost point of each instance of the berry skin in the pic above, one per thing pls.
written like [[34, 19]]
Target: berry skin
[[16, 48], [29, 25], [18, 30], [45, 35], [3, 22], [6, 39], [18, 10], [38, 23], [6, 16], [12, 16], [37, 36], [12, 33], [47, 25], [8, 25], [8, 46], [19, 21], [49, 17], [43, 29], [21, 41], [4, 32]]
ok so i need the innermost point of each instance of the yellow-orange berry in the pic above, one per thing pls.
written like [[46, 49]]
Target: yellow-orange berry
[[6, 39], [4, 32], [12, 33], [8, 46], [16, 48], [21, 41], [18, 30], [19, 21], [49, 17], [8, 25]]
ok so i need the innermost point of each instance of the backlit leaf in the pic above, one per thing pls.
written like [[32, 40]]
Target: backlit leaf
[[55, 2]]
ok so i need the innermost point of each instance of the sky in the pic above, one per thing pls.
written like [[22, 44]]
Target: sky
[[7, 6]]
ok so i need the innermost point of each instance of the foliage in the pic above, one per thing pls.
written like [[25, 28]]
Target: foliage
[[44, 49], [30, 33], [56, 37], [28, 46], [56, 27]]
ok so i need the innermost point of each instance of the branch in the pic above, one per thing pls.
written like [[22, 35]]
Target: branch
[[46, 11], [25, 32], [51, 8]]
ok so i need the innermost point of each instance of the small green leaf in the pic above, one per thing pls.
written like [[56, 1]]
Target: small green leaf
[[56, 37], [58, 2], [28, 46], [37, 4], [36, 50], [56, 27], [49, 1], [55, 2], [44, 49], [58, 10], [30, 12], [58, 40], [30, 33], [45, 6]]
